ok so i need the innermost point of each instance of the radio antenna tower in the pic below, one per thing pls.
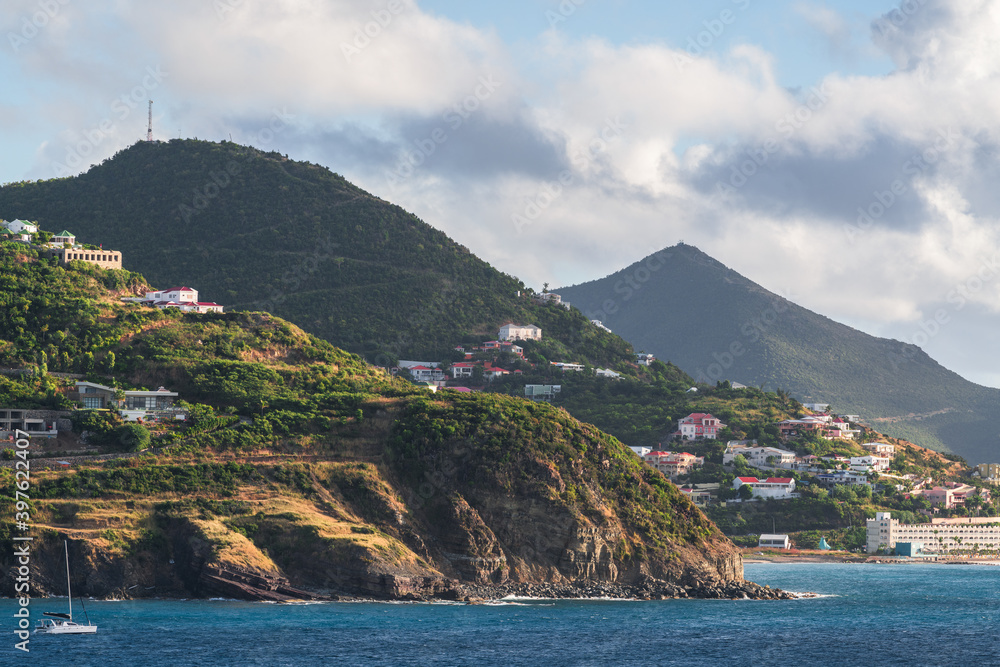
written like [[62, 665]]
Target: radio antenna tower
[[149, 132]]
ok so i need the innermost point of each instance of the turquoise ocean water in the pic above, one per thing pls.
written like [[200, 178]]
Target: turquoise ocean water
[[866, 615]]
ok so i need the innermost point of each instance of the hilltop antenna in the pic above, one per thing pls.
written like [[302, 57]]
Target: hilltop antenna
[[149, 132]]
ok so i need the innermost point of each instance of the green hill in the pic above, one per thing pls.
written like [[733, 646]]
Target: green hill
[[301, 462], [258, 231], [685, 307]]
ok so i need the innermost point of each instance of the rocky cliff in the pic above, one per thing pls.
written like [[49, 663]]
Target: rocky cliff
[[449, 498]]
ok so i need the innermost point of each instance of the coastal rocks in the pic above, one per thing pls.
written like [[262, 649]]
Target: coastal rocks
[[650, 589]]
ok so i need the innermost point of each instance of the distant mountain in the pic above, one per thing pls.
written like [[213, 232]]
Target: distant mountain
[[685, 307], [258, 231]]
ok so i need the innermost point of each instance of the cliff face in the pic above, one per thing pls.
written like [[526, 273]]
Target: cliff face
[[471, 491]]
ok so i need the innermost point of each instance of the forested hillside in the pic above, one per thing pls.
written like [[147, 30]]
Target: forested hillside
[[258, 231], [300, 462], [688, 308]]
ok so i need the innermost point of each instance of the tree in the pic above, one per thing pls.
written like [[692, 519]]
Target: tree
[[744, 492], [133, 437]]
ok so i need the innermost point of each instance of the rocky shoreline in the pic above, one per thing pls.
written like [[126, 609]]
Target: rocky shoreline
[[650, 589]]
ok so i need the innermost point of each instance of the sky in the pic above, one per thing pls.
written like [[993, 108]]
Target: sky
[[841, 154]]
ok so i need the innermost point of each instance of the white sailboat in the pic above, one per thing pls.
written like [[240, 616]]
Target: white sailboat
[[62, 624]]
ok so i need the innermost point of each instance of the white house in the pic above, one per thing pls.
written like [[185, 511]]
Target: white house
[[184, 298], [772, 487], [519, 332], [600, 325], [773, 541], [606, 373], [870, 462], [816, 407], [641, 451], [549, 297], [21, 227], [759, 456], [462, 369], [64, 237], [644, 359], [880, 448], [566, 366]]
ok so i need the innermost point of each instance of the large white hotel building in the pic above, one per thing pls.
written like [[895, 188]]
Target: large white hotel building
[[938, 536]]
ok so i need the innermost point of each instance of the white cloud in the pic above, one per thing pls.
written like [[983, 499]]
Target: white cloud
[[641, 134]]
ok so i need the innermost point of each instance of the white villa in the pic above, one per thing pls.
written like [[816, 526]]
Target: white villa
[[759, 456], [870, 462], [519, 332], [880, 448], [772, 487], [20, 227], [184, 298]]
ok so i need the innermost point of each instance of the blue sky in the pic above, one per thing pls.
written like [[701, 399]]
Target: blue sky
[[843, 154]]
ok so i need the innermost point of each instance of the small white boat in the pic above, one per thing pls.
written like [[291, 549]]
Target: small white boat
[[63, 624]]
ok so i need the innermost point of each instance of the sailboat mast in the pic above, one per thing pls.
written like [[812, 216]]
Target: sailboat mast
[[68, 591]]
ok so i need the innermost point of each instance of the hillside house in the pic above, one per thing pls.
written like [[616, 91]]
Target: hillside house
[[462, 369], [600, 325], [514, 332], [674, 464], [546, 298], [791, 428], [870, 462], [644, 359], [988, 472], [699, 497], [848, 477], [880, 448], [36, 423], [64, 237], [136, 404], [759, 456], [772, 487], [21, 227], [564, 366], [491, 372], [184, 298], [607, 373], [699, 426], [541, 392]]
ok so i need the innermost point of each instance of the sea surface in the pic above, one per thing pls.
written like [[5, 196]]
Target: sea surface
[[864, 615]]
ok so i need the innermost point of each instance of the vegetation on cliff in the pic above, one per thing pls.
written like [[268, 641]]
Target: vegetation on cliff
[[300, 460]]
